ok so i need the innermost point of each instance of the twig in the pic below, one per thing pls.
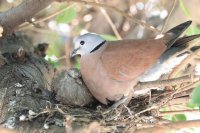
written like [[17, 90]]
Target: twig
[[170, 98], [163, 83], [170, 126], [60, 110], [185, 88], [39, 30], [112, 25], [118, 11], [46, 111], [183, 64], [145, 110], [167, 19], [25, 25], [179, 112], [176, 101]]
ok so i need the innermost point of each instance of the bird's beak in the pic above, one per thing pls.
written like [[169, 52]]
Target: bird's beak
[[74, 53]]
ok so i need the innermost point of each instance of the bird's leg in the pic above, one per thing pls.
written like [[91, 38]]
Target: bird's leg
[[150, 96], [129, 111], [118, 103]]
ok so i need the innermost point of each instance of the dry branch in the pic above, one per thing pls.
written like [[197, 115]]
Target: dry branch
[[12, 18], [168, 82], [145, 25], [28, 25]]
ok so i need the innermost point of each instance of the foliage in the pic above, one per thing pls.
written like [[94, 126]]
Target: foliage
[[192, 29], [67, 16], [196, 96], [179, 117], [108, 37], [184, 8]]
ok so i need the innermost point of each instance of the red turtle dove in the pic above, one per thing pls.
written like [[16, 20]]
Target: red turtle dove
[[111, 69]]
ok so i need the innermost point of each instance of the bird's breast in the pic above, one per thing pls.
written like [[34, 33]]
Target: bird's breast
[[99, 83]]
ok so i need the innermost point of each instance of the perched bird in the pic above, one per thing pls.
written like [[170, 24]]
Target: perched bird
[[111, 69]]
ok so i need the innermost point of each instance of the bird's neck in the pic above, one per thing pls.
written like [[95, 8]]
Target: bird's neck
[[98, 46]]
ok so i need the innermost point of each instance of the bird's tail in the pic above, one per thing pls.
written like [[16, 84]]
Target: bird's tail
[[173, 34], [184, 40]]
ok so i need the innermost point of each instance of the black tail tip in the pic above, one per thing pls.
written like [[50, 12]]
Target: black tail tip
[[181, 27], [189, 22], [186, 24], [173, 34]]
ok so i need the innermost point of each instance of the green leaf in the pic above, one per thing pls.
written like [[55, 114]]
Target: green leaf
[[108, 37], [168, 117], [77, 64], [67, 16], [54, 49], [179, 117], [196, 95], [191, 105], [164, 109], [56, 64]]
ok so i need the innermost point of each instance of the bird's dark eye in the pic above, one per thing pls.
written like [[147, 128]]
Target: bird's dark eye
[[82, 42]]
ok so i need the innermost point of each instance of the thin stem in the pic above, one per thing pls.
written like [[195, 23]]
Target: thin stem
[[112, 25], [25, 25], [118, 11], [167, 19]]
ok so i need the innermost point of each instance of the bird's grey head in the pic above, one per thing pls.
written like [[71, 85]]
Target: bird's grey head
[[86, 43]]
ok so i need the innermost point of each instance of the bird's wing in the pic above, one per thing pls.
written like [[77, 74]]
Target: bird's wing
[[127, 59]]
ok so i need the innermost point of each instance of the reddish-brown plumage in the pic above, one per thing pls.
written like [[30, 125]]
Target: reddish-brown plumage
[[131, 57], [112, 71]]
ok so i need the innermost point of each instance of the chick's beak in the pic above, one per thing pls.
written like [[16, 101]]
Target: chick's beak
[[74, 52]]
